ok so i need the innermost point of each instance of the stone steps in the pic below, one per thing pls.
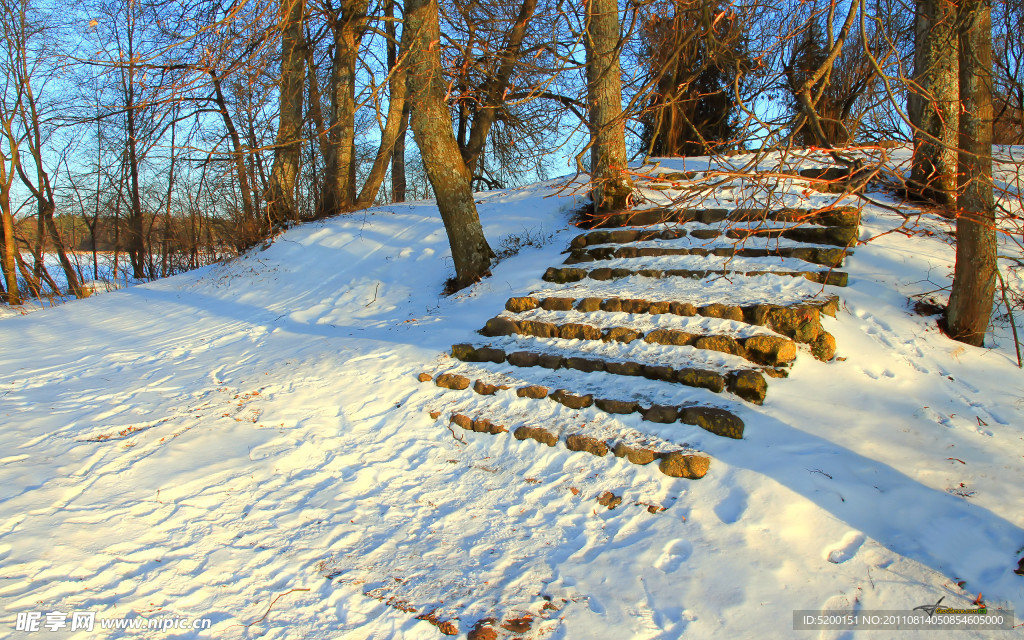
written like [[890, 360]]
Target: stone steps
[[824, 179], [714, 420], [768, 350], [748, 384], [833, 217], [562, 275], [675, 462], [832, 258], [580, 347]]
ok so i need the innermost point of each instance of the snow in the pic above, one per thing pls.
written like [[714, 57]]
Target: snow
[[248, 442]]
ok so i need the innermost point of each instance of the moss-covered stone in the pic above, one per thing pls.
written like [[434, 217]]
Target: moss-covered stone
[[621, 334], [624, 368], [824, 347], [749, 385], [616, 406], [682, 309], [636, 455], [564, 275], [702, 378], [533, 391], [593, 446], [724, 311], [452, 381], [611, 305], [601, 274], [538, 329], [551, 361], [659, 307], [520, 304], [490, 354], [663, 414], [539, 434], [705, 234], [723, 344], [556, 304], [770, 350], [573, 401], [635, 305], [658, 372], [584, 364], [486, 388], [523, 359], [500, 326], [801, 323], [717, 421], [465, 352], [575, 331], [681, 465], [462, 421], [669, 337], [587, 305]]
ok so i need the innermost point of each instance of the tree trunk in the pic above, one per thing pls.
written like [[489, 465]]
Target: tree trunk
[[604, 97], [10, 248], [934, 106], [974, 278], [136, 230], [393, 126], [339, 193], [281, 206], [432, 126], [398, 181]]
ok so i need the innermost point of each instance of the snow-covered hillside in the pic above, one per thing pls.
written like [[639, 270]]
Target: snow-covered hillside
[[249, 443]]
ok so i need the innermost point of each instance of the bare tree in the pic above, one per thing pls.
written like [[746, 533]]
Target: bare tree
[[934, 102], [974, 277], [280, 197], [431, 124], [611, 188]]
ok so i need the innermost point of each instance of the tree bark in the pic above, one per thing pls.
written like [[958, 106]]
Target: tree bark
[[281, 206], [974, 277], [10, 245], [398, 181], [432, 126], [339, 192], [934, 106], [611, 188]]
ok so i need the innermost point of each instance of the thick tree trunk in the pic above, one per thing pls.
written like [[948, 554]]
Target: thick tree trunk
[[339, 192], [10, 247], [398, 181], [432, 126], [934, 107], [974, 278], [604, 98], [280, 196]]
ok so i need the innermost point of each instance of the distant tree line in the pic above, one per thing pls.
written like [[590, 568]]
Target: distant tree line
[[158, 129]]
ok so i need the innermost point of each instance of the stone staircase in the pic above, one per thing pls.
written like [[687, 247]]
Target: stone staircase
[[679, 315]]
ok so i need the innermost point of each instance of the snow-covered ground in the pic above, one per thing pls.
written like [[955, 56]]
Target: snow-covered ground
[[248, 443]]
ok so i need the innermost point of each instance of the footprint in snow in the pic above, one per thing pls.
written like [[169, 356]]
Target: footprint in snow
[[675, 553], [846, 549], [732, 507]]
